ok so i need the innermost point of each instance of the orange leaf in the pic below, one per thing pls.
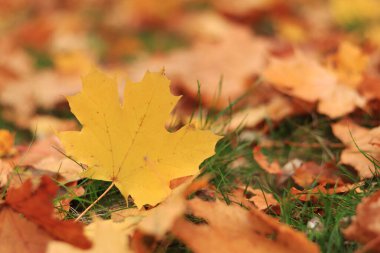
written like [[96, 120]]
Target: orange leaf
[[365, 226], [233, 229], [37, 208]]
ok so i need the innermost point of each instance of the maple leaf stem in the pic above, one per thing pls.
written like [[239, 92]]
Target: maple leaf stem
[[96, 201]]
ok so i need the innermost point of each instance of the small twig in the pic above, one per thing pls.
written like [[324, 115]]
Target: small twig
[[96, 201]]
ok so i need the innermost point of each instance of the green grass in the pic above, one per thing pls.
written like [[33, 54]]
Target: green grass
[[318, 144], [307, 137], [332, 210]]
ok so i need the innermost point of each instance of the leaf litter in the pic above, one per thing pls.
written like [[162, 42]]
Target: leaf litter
[[291, 86]]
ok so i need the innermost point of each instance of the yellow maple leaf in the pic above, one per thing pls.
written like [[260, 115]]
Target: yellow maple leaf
[[128, 143]]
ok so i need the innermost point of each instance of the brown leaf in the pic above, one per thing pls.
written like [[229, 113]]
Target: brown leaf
[[20, 235], [160, 220], [46, 126], [43, 155], [370, 86], [223, 77], [253, 197], [43, 90], [356, 137], [304, 77], [365, 227], [314, 193], [233, 229], [5, 171], [71, 191], [276, 109], [300, 75], [310, 173], [6, 143], [37, 208], [349, 63], [106, 235], [272, 168], [246, 9]]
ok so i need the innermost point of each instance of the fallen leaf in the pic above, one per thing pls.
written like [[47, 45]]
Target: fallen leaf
[[5, 171], [310, 172], [348, 63], [276, 109], [120, 215], [245, 8], [44, 90], [292, 31], [321, 189], [129, 144], [15, 63], [160, 220], [69, 192], [221, 81], [365, 227], [19, 235], [43, 155], [6, 143], [45, 126], [76, 62], [370, 86], [272, 168], [357, 140], [38, 226], [355, 11], [105, 234], [215, 27], [234, 229], [42, 28], [342, 100], [253, 197], [303, 77]]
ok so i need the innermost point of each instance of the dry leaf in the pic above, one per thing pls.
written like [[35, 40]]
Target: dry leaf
[[355, 11], [128, 144], [106, 235], [117, 232], [300, 76], [276, 109], [42, 90], [310, 172], [253, 197], [357, 139], [303, 77], [39, 226], [223, 77], [245, 8], [233, 229], [20, 235], [365, 227], [272, 168], [349, 64], [6, 143], [5, 171], [71, 191], [314, 193], [160, 220], [44, 155], [215, 27], [342, 100], [46, 126]]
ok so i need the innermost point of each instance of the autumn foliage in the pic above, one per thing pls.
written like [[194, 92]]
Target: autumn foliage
[[138, 126]]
